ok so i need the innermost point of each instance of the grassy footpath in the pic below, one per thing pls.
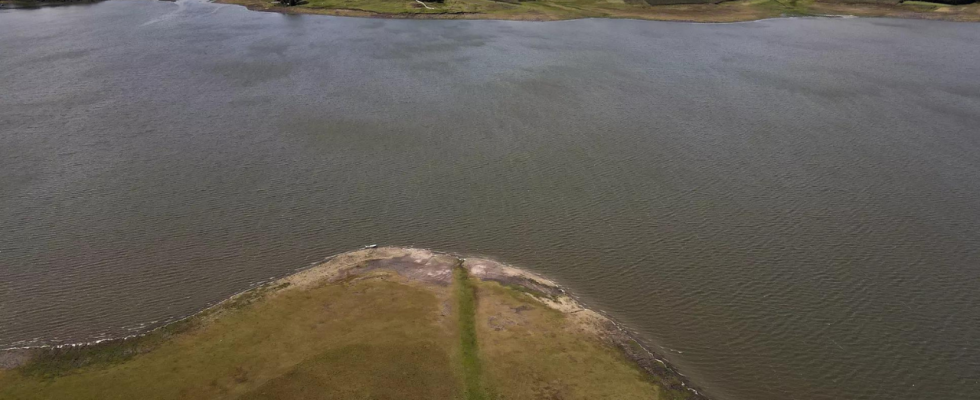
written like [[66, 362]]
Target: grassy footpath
[[469, 350]]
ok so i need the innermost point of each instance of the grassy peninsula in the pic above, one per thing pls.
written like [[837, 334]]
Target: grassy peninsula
[[667, 10], [387, 323]]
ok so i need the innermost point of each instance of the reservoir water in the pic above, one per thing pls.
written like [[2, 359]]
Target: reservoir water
[[785, 209]]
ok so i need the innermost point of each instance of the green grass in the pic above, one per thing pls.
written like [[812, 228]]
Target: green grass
[[924, 3], [785, 7], [51, 363], [54, 362], [531, 351], [469, 350], [367, 339], [358, 338]]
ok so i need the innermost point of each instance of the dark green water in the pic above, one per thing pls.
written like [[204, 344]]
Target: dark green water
[[786, 209]]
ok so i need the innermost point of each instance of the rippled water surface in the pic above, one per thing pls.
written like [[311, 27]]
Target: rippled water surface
[[785, 209]]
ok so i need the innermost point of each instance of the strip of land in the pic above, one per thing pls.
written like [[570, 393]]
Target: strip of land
[[374, 323], [42, 3], [556, 10], [553, 10]]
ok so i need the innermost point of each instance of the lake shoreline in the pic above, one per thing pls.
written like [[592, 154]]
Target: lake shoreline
[[720, 12], [31, 5], [416, 265]]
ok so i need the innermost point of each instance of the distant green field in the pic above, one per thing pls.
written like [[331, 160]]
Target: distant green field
[[923, 3]]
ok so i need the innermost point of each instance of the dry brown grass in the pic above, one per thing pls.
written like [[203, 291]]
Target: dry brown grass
[[370, 338], [531, 351], [965, 13], [354, 328]]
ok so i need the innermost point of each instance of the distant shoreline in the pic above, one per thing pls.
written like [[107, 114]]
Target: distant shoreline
[[544, 10], [30, 4]]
